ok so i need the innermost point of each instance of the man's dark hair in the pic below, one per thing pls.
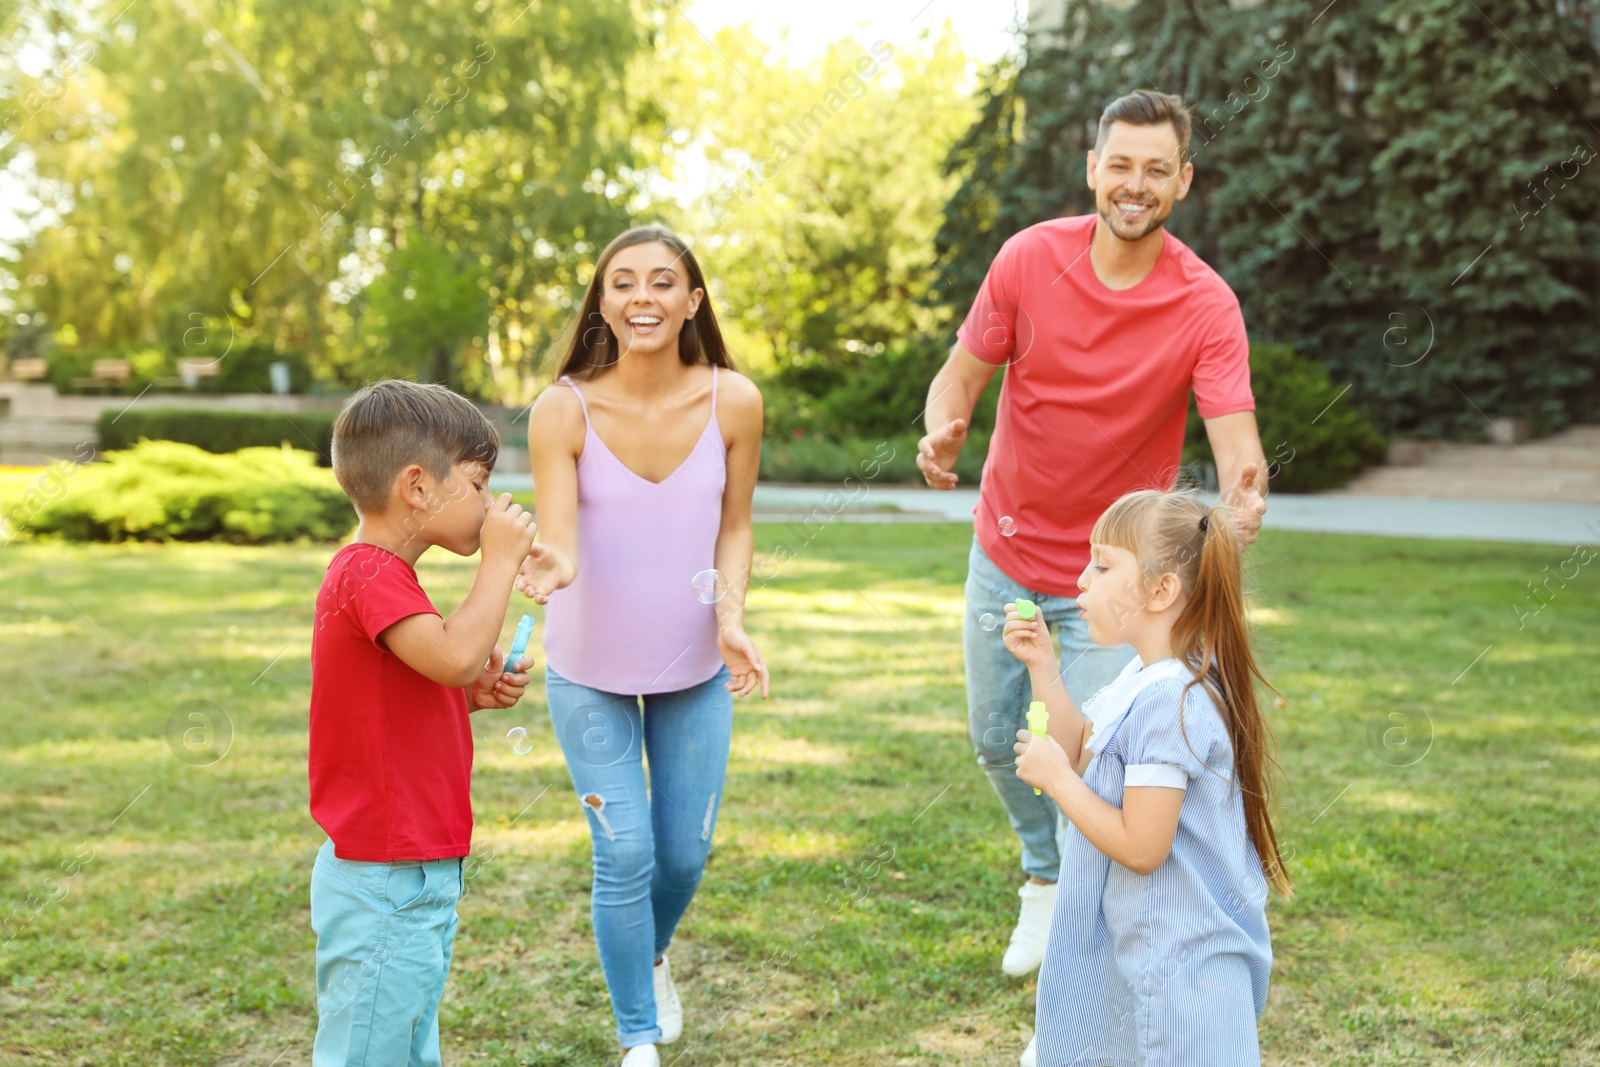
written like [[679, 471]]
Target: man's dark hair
[[1146, 107], [391, 424]]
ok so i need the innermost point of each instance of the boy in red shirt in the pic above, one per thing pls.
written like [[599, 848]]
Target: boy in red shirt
[[392, 686]]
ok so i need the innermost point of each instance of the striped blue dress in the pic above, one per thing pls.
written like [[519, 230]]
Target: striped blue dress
[[1169, 969]]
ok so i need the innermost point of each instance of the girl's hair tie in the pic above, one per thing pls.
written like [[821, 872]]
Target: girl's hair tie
[[1204, 521]]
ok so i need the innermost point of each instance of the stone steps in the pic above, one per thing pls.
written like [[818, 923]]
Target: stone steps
[[28, 441], [1563, 468]]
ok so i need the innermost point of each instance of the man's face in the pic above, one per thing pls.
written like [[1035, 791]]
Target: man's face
[[1137, 178]]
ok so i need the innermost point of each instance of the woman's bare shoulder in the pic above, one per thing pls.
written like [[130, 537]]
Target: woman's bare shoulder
[[738, 392], [557, 415]]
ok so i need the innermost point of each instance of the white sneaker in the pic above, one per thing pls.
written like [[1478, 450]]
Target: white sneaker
[[1026, 950], [669, 1009], [642, 1056], [1028, 1058]]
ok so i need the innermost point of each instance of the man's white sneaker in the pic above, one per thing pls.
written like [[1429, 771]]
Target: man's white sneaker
[[1029, 1056], [642, 1056], [1026, 950], [669, 1009]]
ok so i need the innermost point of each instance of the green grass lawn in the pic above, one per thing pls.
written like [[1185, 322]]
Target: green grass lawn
[[863, 882]]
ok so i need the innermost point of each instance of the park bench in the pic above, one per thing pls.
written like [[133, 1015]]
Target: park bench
[[29, 370], [191, 372], [109, 374]]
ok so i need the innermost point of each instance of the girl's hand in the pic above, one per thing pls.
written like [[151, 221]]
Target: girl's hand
[[1040, 760], [540, 574], [501, 684], [743, 660], [1028, 639]]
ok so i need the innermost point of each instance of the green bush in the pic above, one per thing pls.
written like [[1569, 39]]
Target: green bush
[[145, 365], [168, 491], [220, 430], [1313, 437], [812, 458], [244, 369], [874, 395]]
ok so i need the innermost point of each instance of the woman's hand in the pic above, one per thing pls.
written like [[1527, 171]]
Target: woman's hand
[[1028, 639], [540, 574], [1040, 760], [743, 660]]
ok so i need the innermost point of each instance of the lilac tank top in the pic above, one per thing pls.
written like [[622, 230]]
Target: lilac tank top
[[631, 621]]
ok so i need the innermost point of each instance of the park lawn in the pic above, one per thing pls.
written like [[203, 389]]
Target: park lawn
[[1441, 807]]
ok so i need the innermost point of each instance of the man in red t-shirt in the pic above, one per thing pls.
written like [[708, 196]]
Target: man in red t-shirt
[[1104, 323], [392, 685]]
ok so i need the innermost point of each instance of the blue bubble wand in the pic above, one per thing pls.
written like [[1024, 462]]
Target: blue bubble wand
[[519, 644]]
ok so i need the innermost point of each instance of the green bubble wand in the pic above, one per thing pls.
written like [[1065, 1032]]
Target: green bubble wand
[[1038, 723]]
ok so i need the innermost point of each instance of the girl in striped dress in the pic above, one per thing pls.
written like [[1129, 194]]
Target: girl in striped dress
[[1158, 952]]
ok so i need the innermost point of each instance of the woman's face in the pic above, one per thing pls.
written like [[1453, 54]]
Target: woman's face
[[647, 299]]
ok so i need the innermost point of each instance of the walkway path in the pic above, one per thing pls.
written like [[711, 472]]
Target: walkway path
[[1476, 520]]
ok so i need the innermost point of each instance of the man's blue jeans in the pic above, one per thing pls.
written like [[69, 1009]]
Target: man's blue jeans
[[650, 845], [998, 692]]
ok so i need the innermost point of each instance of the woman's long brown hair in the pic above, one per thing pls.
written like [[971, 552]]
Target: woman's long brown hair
[[1178, 533], [589, 346]]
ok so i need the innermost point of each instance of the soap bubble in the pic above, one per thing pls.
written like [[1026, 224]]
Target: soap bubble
[[988, 622], [1008, 526], [710, 586], [518, 739]]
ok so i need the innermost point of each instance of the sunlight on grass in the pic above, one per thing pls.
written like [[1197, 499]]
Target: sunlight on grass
[[1441, 908]]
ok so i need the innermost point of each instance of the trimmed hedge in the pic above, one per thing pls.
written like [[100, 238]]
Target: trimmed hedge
[[219, 431], [168, 491]]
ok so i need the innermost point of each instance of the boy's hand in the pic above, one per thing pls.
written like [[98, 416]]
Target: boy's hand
[[1040, 760], [540, 574], [508, 530], [499, 686], [1028, 639]]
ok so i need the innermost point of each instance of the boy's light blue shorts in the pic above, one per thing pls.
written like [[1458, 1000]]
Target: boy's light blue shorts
[[384, 935]]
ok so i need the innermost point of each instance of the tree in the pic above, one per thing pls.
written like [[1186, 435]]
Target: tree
[[824, 192], [262, 163]]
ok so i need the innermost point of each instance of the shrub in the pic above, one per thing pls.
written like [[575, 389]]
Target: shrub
[[875, 395], [812, 458], [168, 491], [245, 369], [220, 430], [145, 365], [1312, 440]]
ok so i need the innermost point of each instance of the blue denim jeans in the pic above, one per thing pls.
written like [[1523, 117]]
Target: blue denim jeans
[[650, 848], [384, 937], [998, 692]]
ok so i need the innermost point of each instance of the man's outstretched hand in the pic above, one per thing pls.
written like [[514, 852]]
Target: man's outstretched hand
[[937, 452], [1247, 498]]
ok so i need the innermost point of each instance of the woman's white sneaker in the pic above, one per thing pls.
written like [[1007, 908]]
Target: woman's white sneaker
[[669, 1009], [1030, 1056], [1026, 950], [642, 1056]]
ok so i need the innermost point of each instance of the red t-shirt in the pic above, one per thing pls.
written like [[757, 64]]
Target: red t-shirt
[[1096, 390], [391, 751]]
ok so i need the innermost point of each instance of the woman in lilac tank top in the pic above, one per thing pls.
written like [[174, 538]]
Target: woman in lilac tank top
[[645, 456]]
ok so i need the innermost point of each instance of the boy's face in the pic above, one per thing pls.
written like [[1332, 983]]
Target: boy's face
[[465, 499]]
